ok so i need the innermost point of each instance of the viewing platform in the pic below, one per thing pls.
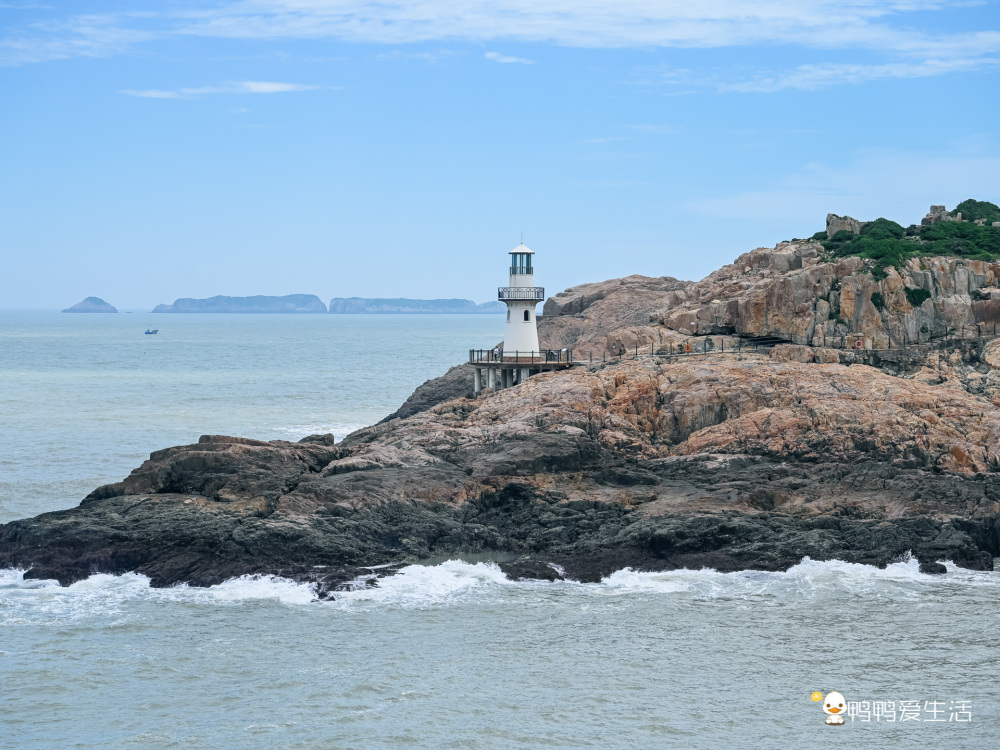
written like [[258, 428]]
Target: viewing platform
[[497, 368]]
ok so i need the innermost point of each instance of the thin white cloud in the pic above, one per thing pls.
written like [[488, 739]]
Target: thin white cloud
[[100, 35], [578, 23], [812, 77], [904, 44], [507, 59], [235, 87]]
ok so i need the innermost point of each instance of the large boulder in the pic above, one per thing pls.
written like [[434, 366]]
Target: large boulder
[[836, 224]]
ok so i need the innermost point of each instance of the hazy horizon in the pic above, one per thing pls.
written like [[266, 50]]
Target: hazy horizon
[[400, 149]]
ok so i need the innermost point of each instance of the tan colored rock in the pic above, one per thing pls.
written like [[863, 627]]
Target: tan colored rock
[[791, 353], [715, 404], [991, 353], [836, 224]]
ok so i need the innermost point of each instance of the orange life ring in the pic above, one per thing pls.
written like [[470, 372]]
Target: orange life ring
[[859, 344], [687, 347]]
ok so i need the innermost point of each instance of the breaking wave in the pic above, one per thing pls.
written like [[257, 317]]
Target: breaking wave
[[456, 582]]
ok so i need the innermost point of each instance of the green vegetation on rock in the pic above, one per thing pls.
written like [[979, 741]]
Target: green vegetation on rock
[[961, 238], [973, 210], [890, 244], [916, 297]]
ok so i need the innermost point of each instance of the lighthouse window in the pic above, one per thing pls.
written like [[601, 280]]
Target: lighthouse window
[[508, 316], [527, 316], [520, 263]]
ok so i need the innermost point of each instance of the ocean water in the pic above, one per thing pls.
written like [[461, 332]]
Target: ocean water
[[451, 655], [84, 399]]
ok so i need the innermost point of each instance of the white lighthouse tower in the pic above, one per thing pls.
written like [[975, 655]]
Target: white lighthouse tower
[[521, 297]]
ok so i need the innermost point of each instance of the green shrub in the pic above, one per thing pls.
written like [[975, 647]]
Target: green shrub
[[878, 300], [916, 297], [972, 209], [819, 236], [883, 229], [961, 238], [889, 244]]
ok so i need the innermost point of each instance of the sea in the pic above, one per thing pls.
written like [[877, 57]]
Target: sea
[[447, 654]]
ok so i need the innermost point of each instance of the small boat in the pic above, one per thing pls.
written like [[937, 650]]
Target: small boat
[[150, 331]]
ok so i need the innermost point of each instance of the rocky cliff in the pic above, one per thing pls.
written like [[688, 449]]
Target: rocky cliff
[[794, 291]]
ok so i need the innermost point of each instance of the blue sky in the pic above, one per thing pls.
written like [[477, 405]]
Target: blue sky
[[352, 148]]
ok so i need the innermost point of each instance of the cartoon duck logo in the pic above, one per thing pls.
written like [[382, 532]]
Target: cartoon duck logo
[[835, 705]]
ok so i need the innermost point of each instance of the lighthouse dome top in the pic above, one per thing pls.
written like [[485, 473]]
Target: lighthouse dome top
[[522, 248]]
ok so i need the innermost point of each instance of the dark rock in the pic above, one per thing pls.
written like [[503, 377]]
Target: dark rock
[[458, 381], [324, 439]]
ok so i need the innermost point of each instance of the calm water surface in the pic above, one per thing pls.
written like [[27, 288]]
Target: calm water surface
[[444, 656]]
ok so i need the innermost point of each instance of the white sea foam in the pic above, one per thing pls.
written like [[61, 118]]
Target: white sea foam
[[104, 595], [339, 430], [456, 582], [427, 585], [804, 581], [247, 588]]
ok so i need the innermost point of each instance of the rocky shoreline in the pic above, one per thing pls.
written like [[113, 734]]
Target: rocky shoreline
[[729, 461], [549, 491]]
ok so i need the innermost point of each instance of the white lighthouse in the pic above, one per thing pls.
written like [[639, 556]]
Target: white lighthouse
[[521, 297], [520, 358]]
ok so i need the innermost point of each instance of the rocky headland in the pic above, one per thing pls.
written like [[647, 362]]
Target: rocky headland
[[868, 432]]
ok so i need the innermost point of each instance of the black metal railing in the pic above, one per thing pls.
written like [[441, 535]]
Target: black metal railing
[[530, 293], [501, 356]]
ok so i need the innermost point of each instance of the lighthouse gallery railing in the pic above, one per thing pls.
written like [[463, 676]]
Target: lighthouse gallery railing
[[530, 293], [502, 356]]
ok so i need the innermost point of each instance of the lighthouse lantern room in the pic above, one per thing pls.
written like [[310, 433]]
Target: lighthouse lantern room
[[521, 296]]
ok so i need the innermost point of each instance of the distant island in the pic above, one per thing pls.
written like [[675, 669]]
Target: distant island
[[91, 305], [310, 303], [354, 305], [290, 303]]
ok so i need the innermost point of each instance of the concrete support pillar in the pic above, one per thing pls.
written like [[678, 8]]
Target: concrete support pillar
[[491, 378], [525, 374], [508, 378], [478, 380]]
